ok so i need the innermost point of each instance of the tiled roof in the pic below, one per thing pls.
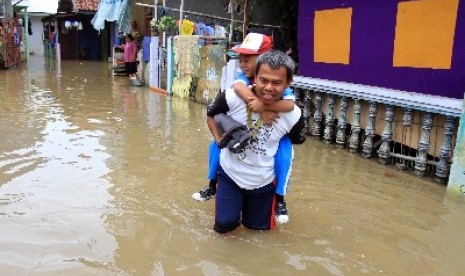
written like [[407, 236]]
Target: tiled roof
[[87, 5]]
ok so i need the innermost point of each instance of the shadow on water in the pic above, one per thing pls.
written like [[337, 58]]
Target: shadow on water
[[96, 178]]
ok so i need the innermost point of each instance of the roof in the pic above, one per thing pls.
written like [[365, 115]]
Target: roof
[[87, 5]]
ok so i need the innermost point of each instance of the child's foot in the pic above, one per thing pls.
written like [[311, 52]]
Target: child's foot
[[205, 194], [281, 213]]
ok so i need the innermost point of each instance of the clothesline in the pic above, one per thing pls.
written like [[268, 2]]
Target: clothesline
[[206, 15]]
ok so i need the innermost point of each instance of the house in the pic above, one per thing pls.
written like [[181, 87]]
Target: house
[[37, 10], [75, 33]]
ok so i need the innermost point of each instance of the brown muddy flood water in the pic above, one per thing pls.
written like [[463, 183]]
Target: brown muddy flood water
[[97, 176]]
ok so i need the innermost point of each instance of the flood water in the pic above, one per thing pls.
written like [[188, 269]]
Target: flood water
[[97, 176]]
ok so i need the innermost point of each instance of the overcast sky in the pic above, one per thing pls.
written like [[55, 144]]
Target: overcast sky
[[46, 6]]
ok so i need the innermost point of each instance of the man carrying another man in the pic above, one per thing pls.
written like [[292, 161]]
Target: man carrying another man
[[246, 186]]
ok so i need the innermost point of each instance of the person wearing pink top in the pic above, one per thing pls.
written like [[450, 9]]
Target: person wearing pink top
[[130, 53]]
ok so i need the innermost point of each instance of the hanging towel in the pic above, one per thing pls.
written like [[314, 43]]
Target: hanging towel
[[110, 10], [146, 49]]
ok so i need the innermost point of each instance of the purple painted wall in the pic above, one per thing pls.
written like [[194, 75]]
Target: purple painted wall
[[372, 47]]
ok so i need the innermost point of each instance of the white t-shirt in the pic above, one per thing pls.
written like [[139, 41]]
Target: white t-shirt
[[254, 168]]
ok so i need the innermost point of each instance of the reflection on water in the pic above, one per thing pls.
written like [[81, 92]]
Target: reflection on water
[[96, 178]]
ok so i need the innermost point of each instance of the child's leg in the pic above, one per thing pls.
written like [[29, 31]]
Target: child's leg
[[283, 166], [209, 191], [213, 161]]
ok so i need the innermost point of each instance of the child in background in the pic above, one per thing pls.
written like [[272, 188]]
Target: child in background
[[130, 55], [253, 45], [119, 39]]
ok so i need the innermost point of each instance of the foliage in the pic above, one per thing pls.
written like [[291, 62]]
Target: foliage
[[238, 29], [163, 24], [166, 23]]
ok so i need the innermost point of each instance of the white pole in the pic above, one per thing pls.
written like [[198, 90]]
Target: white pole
[[26, 23], [57, 49], [164, 33], [58, 59], [169, 64], [231, 27], [181, 11], [155, 9], [28, 64]]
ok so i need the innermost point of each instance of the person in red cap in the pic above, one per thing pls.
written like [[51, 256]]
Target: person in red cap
[[253, 45], [246, 187]]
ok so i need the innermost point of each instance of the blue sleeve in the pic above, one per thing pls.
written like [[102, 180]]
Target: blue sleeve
[[288, 94], [241, 77]]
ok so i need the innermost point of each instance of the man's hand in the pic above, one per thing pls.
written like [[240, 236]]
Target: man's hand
[[269, 117], [256, 105], [219, 138]]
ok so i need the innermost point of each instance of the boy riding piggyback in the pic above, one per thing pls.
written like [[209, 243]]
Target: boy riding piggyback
[[253, 45]]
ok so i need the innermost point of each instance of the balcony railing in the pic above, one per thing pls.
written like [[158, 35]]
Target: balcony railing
[[410, 131]]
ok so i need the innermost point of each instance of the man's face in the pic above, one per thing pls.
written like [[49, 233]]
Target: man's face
[[270, 84], [248, 64]]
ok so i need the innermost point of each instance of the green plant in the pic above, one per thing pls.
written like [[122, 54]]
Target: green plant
[[166, 23]]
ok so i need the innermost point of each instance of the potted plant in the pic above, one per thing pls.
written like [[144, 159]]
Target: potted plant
[[239, 34], [154, 26], [166, 24]]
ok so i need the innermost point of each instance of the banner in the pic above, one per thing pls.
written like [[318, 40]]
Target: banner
[[109, 10]]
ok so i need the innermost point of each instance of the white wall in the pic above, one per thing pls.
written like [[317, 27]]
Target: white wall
[[36, 45]]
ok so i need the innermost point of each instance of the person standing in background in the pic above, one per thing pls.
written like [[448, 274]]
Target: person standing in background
[[130, 55]]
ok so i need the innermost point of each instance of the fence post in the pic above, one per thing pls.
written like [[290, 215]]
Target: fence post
[[328, 135], [355, 128], [421, 161], [456, 184], [386, 136], [370, 130], [317, 117], [342, 124]]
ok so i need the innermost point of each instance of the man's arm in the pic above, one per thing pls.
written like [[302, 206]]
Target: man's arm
[[297, 133], [213, 129], [218, 106]]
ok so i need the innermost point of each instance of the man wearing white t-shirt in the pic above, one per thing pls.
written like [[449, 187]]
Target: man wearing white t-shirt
[[246, 186]]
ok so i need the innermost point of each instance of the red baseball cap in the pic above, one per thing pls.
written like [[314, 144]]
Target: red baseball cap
[[254, 44]]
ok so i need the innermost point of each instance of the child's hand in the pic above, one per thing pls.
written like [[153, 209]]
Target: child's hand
[[269, 117], [256, 105]]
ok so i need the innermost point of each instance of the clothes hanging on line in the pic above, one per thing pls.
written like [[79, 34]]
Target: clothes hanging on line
[[187, 27]]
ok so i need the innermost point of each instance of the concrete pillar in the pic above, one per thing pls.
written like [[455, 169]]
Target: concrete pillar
[[8, 12], [456, 184], [154, 62]]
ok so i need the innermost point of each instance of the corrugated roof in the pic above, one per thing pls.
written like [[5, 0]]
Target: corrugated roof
[[87, 5]]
